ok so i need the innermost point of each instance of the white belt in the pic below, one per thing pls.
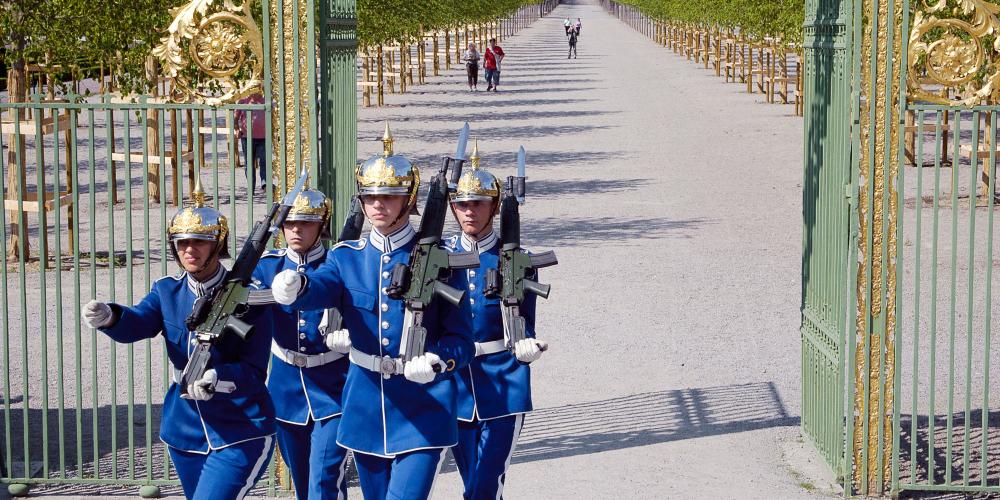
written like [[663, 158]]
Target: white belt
[[386, 365], [303, 360], [495, 346]]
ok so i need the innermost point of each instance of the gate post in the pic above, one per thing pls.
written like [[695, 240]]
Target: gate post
[[338, 113]]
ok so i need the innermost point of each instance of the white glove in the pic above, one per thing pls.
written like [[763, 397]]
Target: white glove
[[97, 314], [339, 341], [527, 350], [204, 389], [421, 368], [286, 286]]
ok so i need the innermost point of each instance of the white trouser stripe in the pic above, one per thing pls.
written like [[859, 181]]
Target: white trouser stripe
[[513, 443], [340, 477], [437, 472], [256, 469]]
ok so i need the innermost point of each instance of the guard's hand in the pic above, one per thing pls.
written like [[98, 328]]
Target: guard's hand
[[204, 388], [98, 314], [528, 350], [421, 368], [286, 286], [339, 341]]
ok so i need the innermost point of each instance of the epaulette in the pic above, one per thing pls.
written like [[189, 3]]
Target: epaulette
[[352, 244], [178, 277], [274, 253]]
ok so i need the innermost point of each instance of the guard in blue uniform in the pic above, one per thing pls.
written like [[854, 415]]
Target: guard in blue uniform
[[307, 377], [220, 437], [399, 418], [494, 391]]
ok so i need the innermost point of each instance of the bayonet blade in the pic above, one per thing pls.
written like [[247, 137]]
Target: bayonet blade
[[520, 173], [463, 141], [297, 188]]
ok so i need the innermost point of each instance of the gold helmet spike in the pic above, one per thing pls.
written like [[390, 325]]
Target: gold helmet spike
[[387, 141], [198, 194], [474, 159]]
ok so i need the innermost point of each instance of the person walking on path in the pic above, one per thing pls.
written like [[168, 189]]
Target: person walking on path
[[471, 58], [577, 26], [492, 59], [253, 156], [307, 375], [572, 45], [566, 24]]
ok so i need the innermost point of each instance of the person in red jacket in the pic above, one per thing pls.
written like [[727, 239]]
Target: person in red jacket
[[493, 57]]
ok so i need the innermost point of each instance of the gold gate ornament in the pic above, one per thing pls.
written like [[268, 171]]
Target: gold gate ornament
[[213, 51]]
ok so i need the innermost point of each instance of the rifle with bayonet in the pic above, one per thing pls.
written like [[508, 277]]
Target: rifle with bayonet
[[218, 314], [516, 268], [430, 265]]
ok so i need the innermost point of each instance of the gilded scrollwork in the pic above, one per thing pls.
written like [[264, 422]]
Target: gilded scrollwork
[[213, 51], [946, 49]]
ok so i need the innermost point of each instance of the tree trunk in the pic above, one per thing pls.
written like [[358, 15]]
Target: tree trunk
[[17, 87]]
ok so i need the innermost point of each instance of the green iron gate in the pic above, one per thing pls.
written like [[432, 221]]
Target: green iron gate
[[75, 408], [911, 408]]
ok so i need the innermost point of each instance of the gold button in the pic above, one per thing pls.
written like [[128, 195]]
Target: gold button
[[302, 335], [302, 322], [472, 274], [385, 325], [386, 259], [385, 275], [385, 341], [472, 286], [385, 307]]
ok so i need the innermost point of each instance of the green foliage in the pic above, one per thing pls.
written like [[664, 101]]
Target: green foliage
[[781, 19], [389, 21]]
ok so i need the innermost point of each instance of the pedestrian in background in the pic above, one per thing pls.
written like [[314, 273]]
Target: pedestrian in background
[[254, 161], [572, 45], [471, 58], [494, 55]]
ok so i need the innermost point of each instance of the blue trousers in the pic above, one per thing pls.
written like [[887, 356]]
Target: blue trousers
[[317, 464], [257, 162], [483, 454], [409, 476], [228, 473]]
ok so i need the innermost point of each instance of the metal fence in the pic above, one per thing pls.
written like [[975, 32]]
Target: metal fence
[[91, 185]]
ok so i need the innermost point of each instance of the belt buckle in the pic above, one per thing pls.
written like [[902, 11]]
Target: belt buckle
[[299, 360], [387, 366]]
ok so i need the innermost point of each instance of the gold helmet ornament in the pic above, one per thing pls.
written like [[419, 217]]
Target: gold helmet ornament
[[476, 184], [199, 222], [389, 174]]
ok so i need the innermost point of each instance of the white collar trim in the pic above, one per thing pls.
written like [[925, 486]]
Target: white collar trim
[[394, 241], [314, 254], [483, 245], [202, 288]]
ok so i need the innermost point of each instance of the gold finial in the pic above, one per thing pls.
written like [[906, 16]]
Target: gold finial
[[474, 159], [387, 141], [198, 195]]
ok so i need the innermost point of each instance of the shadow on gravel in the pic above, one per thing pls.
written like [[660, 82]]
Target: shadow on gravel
[[480, 116], [521, 132], [647, 419], [555, 188], [602, 230], [481, 104], [916, 436]]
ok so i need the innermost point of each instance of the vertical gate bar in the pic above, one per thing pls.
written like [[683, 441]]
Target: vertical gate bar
[[92, 208], [988, 299], [8, 446], [113, 346], [296, 97], [143, 119], [198, 119], [279, 52], [77, 296], [269, 103], [918, 234], [162, 233], [900, 205], [20, 161], [312, 52], [251, 169], [215, 156], [849, 332], [233, 161], [43, 262], [130, 348], [949, 439], [932, 363], [976, 117], [57, 236]]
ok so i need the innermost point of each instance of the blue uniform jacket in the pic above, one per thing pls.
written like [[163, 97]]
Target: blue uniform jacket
[[226, 419], [299, 393], [493, 385], [388, 416]]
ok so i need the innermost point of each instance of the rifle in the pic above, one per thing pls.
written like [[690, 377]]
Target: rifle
[[515, 265], [215, 315], [429, 266], [353, 225]]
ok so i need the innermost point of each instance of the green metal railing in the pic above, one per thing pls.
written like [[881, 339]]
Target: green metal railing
[[76, 407]]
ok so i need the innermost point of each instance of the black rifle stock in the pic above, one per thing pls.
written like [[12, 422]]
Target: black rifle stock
[[423, 279], [515, 267]]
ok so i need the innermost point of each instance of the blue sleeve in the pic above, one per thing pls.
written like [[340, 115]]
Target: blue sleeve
[[249, 370], [456, 342], [144, 321], [323, 288]]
